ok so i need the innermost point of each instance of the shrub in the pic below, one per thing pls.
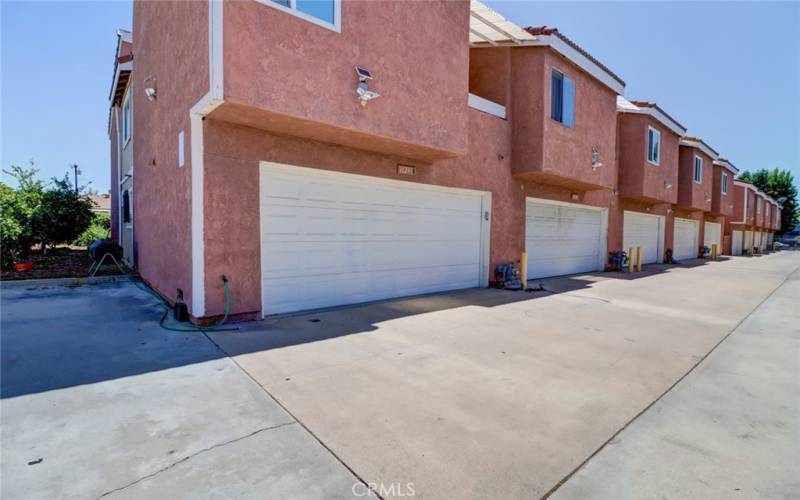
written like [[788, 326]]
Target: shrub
[[64, 214], [98, 230]]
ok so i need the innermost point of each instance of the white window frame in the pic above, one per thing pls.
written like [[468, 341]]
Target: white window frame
[[694, 170], [657, 133], [292, 9], [127, 119], [724, 183]]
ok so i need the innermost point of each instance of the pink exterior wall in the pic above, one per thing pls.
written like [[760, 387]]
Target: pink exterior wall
[[490, 73], [640, 179], [692, 195], [114, 178], [303, 74], [721, 203], [547, 151], [162, 192]]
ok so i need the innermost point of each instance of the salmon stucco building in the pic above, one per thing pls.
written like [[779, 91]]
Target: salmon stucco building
[[334, 158]]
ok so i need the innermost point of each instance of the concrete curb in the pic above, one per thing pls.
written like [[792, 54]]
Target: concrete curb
[[82, 281]]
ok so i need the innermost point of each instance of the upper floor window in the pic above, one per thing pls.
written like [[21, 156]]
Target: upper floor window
[[562, 99], [724, 183], [127, 119], [653, 146], [323, 12], [698, 169]]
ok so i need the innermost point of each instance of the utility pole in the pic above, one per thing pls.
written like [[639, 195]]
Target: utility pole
[[76, 171]]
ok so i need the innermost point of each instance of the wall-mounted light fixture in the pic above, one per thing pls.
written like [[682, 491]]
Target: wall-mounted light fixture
[[150, 89], [574, 196], [363, 93], [667, 185], [596, 163]]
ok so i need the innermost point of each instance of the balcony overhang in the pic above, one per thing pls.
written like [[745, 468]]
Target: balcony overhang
[[488, 27]]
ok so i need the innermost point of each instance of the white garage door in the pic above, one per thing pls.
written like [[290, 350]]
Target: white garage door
[[642, 230], [748, 241], [713, 236], [757, 241], [563, 239], [736, 242], [685, 241], [329, 238]]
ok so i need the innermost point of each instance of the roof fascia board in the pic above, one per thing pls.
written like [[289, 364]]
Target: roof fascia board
[[658, 116], [578, 59], [701, 146]]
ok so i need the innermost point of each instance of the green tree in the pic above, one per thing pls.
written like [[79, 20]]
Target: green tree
[[779, 184], [63, 215], [100, 229], [18, 209]]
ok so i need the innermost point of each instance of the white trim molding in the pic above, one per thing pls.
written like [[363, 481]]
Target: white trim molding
[[722, 162], [702, 146], [626, 106], [197, 114], [487, 106], [580, 60]]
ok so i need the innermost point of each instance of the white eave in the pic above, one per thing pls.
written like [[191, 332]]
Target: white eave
[[625, 106], [125, 35], [701, 146], [722, 162], [488, 26]]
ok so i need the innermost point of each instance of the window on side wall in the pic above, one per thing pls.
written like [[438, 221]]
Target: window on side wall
[[323, 12], [653, 146], [698, 169], [127, 121], [724, 183], [126, 207], [562, 99]]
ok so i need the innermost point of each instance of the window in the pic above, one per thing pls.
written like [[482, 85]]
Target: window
[[126, 119], [323, 12], [698, 169], [767, 214], [562, 99], [126, 207], [653, 146], [724, 183]]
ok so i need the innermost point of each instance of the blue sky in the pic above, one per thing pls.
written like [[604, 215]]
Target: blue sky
[[730, 72]]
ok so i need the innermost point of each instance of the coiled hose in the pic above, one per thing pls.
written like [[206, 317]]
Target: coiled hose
[[194, 328]]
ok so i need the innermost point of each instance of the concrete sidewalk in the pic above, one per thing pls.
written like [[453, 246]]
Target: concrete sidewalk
[[491, 394], [730, 429]]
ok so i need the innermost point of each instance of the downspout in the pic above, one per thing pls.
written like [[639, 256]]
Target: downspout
[[197, 115]]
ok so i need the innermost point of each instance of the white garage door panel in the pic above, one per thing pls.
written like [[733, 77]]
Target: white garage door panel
[[641, 230], [736, 242], [712, 235], [329, 238], [561, 239], [685, 241]]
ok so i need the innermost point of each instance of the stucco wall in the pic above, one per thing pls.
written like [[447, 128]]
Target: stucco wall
[[416, 51], [692, 195], [490, 73], [548, 151], [114, 180], [178, 59], [722, 203], [233, 153], [640, 179]]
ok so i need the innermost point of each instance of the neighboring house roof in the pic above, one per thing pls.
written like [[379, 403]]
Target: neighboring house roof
[[651, 109], [696, 142], [724, 163], [101, 202]]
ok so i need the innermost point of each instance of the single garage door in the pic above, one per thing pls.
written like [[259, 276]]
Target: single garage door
[[563, 238], [748, 241], [736, 242], [329, 238], [713, 236], [685, 241], [642, 230], [757, 241]]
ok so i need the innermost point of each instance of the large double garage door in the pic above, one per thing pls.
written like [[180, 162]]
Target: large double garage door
[[562, 238], [330, 238]]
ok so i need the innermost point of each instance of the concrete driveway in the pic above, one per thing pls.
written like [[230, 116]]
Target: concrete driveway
[[474, 394]]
